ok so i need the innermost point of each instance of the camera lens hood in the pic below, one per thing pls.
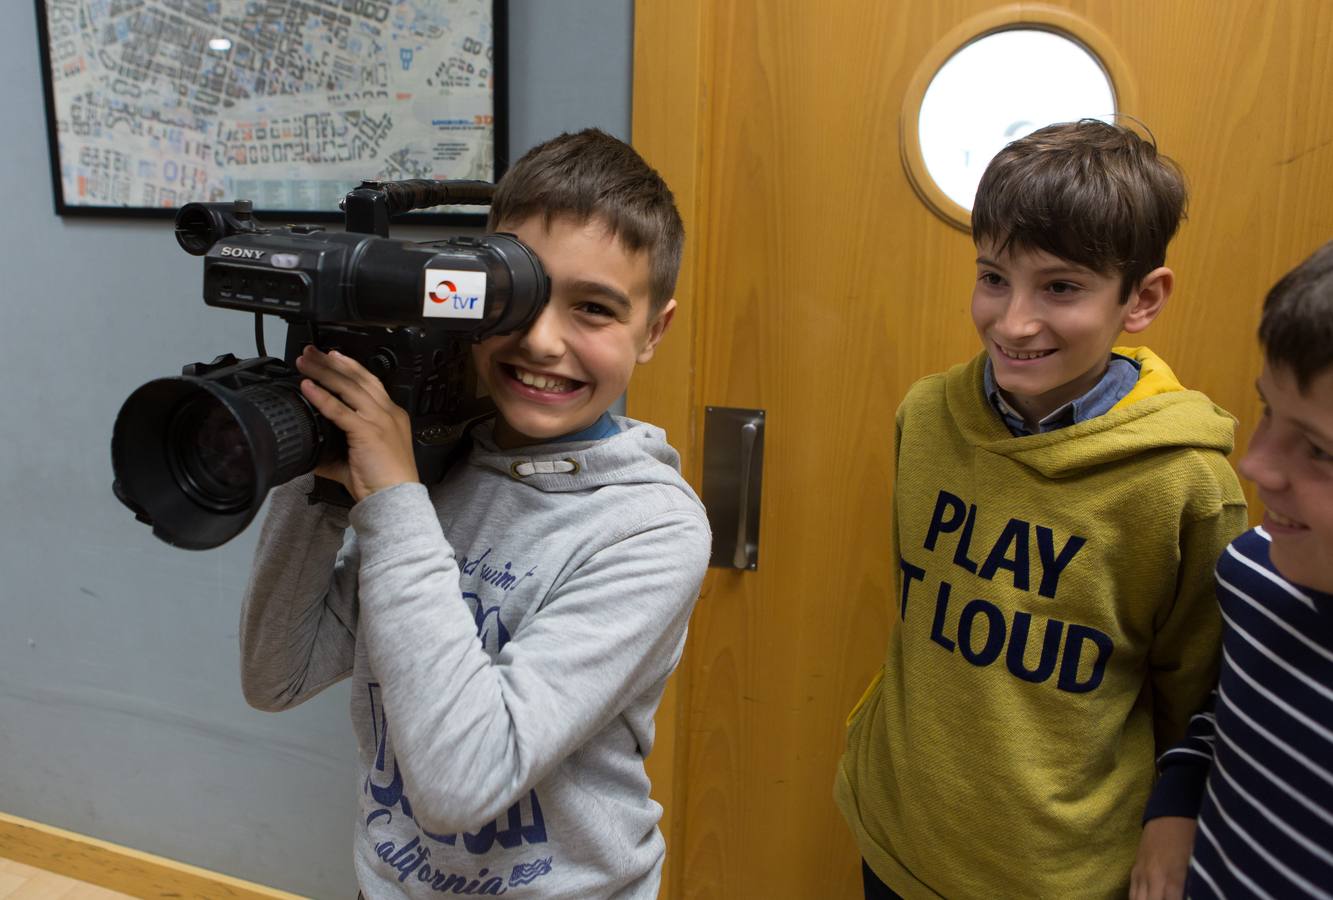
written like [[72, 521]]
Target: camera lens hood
[[195, 459]]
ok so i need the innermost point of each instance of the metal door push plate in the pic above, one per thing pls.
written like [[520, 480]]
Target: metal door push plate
[[733, 483]]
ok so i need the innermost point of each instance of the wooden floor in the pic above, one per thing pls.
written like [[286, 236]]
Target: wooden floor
[[22, 882]]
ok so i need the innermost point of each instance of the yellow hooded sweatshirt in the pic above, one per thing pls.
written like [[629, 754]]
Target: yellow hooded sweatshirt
[[1054, 627]]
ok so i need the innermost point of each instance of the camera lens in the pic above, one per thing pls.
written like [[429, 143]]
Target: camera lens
[[195, 457], [211, 456]]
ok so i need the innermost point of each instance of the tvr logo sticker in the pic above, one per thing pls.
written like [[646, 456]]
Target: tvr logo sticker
[[454, 294]]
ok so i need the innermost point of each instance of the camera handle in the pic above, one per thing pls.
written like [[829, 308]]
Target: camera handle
[[367, 208]]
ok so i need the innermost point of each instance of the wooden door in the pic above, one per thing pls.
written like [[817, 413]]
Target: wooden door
[[817, 286]]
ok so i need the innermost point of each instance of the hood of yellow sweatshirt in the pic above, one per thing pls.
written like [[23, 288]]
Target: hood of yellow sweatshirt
[[1157, 413]]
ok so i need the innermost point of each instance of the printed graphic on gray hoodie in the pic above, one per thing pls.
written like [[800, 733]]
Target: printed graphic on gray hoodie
[[509, 633]]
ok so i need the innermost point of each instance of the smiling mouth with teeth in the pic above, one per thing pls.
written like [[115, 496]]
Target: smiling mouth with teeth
[[1015, 354], [1283, 520], [547, 383]]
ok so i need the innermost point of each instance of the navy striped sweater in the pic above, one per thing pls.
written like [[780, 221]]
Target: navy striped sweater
[[1256, 767]]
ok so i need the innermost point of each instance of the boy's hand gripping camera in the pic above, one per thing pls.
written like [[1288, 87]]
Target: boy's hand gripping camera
[[195, 455]]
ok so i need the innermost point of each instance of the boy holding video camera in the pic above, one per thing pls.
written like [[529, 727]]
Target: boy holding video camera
[[510, 630]]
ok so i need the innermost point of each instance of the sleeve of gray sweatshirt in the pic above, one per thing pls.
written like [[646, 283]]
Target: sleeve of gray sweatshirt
[[298, 622], [472, 734]]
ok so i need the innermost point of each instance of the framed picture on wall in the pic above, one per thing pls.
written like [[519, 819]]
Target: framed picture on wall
[[290, 104]]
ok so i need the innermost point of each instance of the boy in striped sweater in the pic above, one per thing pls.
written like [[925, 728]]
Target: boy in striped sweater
[[1251, 786]]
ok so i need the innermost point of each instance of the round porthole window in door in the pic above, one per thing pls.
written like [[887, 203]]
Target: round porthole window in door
[[980, 91]]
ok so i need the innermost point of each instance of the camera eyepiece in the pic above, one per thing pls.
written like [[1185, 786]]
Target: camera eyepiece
[[201, 225]]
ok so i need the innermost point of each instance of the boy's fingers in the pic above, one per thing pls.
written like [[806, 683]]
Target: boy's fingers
[[336, 362], [329, 405], [353, 416], [339, 387], [345, 365], [345, 378]]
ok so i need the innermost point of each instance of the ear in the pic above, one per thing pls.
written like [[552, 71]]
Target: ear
[[1148, 298], [656, 329]]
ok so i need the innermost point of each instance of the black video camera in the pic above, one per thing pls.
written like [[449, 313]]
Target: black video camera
[[194, 456]]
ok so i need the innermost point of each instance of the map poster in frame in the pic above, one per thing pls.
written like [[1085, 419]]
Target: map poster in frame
[[152, 104]]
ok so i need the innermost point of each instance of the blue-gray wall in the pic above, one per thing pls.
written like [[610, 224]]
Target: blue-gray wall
[[120, 708]]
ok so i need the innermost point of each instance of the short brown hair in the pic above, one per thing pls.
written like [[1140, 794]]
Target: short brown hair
[[1093, 193], [589, 175], [1296, 329]]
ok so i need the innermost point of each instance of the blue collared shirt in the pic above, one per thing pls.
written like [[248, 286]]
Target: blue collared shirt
[[1122, 373], [604, 427]]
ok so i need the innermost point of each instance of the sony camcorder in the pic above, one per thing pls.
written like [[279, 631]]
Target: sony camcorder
[[194, 456]]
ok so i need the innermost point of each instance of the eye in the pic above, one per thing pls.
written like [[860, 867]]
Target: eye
[[596, 310], [990, 279], [1316, 451], [1062, 288]]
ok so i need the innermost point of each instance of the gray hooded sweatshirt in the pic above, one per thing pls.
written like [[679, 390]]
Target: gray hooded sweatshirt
[[509, 633]]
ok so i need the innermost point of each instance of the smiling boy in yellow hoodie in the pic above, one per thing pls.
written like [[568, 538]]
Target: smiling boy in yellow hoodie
[[1058, 507]]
